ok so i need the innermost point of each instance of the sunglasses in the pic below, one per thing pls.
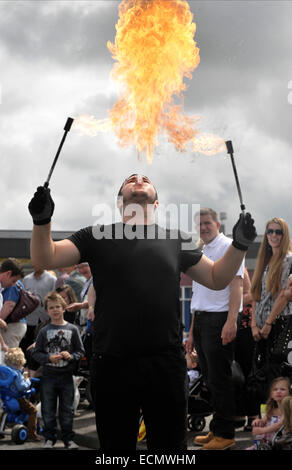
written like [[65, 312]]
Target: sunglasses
[[278, 231]]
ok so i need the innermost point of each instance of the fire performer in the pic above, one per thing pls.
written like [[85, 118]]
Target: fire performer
[[138, 362]]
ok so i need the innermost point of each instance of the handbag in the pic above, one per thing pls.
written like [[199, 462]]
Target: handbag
[[282, 335], [26, 304], [258, 380]]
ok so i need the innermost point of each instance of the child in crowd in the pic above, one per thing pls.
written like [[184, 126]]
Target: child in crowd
[[264, 429], [58, 348], [283, 438], [192, 365], [14, 358], [70, 297]]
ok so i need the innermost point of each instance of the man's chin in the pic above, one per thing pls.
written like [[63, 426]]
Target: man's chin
[[139, 197]]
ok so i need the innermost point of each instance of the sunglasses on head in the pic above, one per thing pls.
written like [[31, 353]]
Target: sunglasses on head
[[278, 231]]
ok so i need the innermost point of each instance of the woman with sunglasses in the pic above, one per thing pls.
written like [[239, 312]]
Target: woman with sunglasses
[[271, 273], [273, 266]]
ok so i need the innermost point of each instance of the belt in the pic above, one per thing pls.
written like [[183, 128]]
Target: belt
[[199, 312]]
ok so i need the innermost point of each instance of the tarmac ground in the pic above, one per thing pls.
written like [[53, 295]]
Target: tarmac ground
[[89, 453], [87, 439]]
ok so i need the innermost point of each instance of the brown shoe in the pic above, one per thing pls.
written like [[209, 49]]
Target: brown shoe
[[219, 443], [201, 440]]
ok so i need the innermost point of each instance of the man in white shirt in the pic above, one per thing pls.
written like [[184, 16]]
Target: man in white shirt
[[213, 329], [39, 282]]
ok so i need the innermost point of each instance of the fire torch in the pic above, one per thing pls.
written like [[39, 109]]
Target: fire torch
[[67, 129], [229, 147]]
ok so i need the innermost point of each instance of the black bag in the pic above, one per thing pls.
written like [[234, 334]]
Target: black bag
[[258, 381], [282, 335], [26, 304]]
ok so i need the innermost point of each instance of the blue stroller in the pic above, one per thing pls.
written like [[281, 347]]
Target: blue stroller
[[12, 414]]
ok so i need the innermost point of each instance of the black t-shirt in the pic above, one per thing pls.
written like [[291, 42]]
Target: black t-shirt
[[137, 283]]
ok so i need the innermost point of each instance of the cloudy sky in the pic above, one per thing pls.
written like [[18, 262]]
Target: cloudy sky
[[55, 63]]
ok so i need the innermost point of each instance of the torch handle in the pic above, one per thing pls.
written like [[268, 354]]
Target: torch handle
[[230, 151], [67, 129]]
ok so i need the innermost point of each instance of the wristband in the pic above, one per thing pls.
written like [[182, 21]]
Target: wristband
[[239, 246]]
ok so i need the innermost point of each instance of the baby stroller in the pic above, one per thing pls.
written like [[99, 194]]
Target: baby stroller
[[12, 415], [198, 405], [199, 402]]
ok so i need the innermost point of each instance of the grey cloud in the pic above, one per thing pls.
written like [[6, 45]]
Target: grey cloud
[[35, 31], [239, 88], [249, 34]]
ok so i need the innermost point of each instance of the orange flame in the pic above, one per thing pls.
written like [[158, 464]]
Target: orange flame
[[208, 144], [154, 51]]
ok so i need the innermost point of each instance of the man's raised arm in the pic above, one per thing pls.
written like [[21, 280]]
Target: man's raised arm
[[217, 275], [46, 253]]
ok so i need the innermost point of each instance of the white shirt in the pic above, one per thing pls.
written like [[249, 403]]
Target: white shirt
[[41, 286], [210, 300]]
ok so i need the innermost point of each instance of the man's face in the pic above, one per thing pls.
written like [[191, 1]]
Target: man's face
[[8, 280], [138, 189], [38, 271], [207, 228]]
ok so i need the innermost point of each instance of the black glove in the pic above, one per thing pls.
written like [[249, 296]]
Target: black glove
[[41, 206], [244, 232]]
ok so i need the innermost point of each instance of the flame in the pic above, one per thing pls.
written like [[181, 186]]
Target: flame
[[208, 144], [91, 126], [154, 50]]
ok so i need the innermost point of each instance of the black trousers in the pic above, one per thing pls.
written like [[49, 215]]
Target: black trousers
[[215, 363], [157, 386]]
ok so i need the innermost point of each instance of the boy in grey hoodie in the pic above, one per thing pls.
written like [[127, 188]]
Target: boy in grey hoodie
[[58, 349]]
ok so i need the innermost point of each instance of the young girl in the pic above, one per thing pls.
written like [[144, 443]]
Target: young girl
[[14, 358], [283, 438], [264, 429], [69, 296]]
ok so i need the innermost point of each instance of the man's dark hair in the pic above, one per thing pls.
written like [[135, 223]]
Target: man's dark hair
[[134, 174], [13, 265]]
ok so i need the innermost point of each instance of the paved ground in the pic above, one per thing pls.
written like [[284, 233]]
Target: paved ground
[[86, 437], [243, 439]]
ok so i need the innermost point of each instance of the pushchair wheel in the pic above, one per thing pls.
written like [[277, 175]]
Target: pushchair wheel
[[19, 433], [196, 423]]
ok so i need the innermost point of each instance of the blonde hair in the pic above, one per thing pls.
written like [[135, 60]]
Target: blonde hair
[[286, 410], [55, 297], [14, 357], [265, 257], [271, 403]]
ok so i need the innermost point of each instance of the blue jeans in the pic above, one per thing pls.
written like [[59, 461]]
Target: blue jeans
[[54, 387]]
